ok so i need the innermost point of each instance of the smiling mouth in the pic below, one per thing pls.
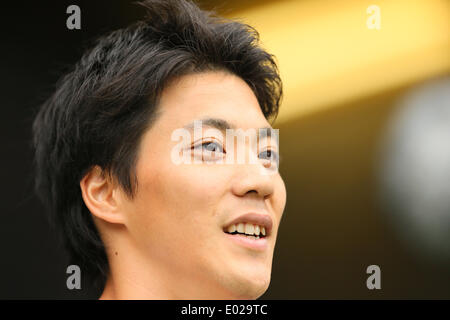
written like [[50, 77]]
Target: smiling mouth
[[250, 231]]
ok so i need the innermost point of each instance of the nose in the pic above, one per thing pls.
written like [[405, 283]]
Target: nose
[[251, 179]]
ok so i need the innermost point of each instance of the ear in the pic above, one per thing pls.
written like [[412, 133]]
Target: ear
[[102, 196]]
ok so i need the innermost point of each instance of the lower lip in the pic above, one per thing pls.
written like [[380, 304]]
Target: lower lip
[[255, 244]]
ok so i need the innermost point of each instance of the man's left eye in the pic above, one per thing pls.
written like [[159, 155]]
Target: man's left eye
[[269, 155]]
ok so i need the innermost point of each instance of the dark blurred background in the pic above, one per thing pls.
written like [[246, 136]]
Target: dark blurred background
[[344, 82]]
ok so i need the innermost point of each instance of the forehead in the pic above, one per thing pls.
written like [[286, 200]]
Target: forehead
[[210, 95]]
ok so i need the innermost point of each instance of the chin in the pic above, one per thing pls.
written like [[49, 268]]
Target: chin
[[254, 290], [249, 287]]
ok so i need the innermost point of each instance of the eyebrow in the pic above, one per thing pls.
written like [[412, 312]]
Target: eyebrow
[[223, 125]]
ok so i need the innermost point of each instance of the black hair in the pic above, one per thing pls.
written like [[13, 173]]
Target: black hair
[[101, 108]]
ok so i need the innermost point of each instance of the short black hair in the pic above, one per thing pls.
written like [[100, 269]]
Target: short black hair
[[101, 108]]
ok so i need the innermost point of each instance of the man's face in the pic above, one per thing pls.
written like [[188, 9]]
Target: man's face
[[180, 212]]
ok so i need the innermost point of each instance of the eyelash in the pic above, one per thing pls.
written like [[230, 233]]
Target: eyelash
[[205, 143], [273, 153]]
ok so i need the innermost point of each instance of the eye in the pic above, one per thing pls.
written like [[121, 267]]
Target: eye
[[269, 155], [210, 146]]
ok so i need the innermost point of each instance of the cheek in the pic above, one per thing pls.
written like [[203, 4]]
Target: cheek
[[197, 185], [201, 189], [180, 197], [175, 212], [279, 198]]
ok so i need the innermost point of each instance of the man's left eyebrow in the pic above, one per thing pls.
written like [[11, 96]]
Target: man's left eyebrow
[[265, 132]]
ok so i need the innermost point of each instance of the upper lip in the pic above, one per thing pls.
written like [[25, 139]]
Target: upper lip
[[263, 220]]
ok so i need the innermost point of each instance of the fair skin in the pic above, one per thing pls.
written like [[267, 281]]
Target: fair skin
[[168, 240]]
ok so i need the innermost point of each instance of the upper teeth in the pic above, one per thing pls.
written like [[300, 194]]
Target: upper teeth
[[247, 228]]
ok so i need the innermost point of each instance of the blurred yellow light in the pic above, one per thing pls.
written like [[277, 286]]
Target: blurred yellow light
[[327, 55]]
